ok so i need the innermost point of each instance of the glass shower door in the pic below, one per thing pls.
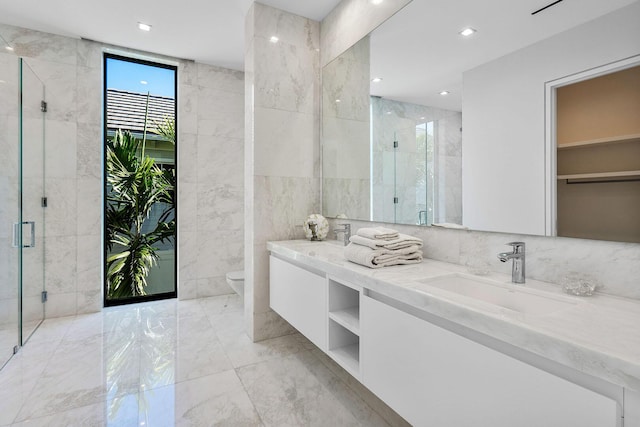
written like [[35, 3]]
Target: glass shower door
[[9, 206], [32, 110]]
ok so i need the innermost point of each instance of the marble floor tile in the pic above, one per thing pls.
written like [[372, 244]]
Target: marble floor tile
[[241, 351], [221, 304], [299, 390], [218, 399], [121, 412], [169, 363]]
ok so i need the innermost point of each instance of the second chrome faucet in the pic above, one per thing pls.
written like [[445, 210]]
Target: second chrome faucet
[[346, 230], [517, 255]]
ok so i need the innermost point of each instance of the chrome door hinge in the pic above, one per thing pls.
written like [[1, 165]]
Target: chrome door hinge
[[44, 202], [45, 296], [395, 200], [15, 349], [395, 144], [43, 106]]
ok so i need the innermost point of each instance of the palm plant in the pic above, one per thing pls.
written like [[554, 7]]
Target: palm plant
[[135, 184]]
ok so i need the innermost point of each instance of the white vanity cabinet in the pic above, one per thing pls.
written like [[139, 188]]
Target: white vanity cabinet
[[434, 377], [300, 297]]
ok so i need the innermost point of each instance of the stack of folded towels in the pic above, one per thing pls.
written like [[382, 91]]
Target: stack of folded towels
[[376, 247]]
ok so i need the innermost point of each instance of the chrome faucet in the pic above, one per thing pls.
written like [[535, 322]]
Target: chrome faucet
[[517, 268], [345, 230]]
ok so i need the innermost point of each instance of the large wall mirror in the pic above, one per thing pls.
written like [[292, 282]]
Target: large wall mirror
[[423, 125]]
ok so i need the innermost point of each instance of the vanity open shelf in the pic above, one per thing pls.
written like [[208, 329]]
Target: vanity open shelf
[[344, 324], [348, 318]]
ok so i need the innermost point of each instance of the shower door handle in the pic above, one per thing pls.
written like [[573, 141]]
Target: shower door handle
[[32, 243], [16, 234]]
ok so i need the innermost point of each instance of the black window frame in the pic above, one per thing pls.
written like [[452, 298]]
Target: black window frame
[[144, 298]]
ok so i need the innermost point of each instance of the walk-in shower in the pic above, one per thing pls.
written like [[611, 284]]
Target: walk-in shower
[[22, 203]]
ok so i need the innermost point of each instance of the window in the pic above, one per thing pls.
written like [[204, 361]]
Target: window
[[140, 180]]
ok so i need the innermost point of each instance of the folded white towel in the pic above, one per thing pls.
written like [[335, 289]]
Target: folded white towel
[[377, 233], [449, 225], [403, 241], [377, 258]]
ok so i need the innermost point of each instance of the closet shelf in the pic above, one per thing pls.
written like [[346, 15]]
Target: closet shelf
[[601, 141], [602, 175]]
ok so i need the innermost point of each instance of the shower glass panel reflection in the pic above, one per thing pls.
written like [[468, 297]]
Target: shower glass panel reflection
[[416, 158], [21, 211]]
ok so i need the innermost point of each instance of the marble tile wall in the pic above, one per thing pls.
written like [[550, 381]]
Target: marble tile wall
[[613, 264], [210, 177], [282, 165], [350, 21], [346, 170], [397, 175]]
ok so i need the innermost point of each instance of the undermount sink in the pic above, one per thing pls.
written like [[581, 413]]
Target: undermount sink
[[510, 296]]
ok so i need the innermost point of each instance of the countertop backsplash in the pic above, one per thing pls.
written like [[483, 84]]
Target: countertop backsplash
[[613, 264]]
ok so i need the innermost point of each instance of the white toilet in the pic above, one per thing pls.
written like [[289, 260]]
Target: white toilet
[[235, 279]]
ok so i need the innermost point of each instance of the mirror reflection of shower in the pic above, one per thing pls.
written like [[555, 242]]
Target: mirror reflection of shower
[[416, 153], [425, 174]]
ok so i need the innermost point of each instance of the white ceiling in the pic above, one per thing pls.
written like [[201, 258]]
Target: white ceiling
[[208, 31], [418, 52]]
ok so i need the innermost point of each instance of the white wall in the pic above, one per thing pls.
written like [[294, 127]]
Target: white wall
[[503, 149]]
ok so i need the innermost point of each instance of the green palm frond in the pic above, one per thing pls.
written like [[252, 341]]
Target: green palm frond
[[135, 184], [167, 129]]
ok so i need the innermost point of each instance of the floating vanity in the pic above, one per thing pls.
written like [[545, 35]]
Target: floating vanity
[[444, 347]]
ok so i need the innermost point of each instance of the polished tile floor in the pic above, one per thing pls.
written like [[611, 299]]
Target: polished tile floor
[[180, 363]]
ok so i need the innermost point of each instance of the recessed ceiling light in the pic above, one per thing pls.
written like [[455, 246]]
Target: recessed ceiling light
[[376, 1], [421, 118], [143, 82], [144, 27], [9, 48], [274, 39], [338, 101], [376, 80], [388, 112], [444, 92], [466, 32]]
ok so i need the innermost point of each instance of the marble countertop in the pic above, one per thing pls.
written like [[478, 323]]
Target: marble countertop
[[597, 335]]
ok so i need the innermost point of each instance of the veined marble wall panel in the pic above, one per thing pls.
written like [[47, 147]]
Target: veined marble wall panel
[[346, 148], [281, 147], [210, 169], [348, 197], [284, 151], [345, 84], [211, 178], [350, 21]]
